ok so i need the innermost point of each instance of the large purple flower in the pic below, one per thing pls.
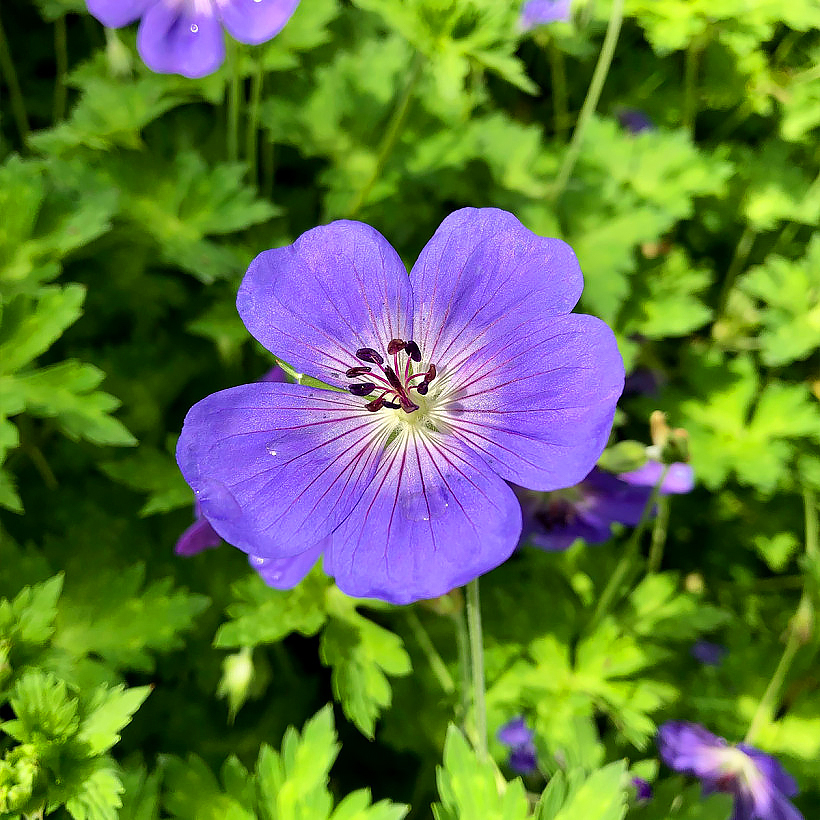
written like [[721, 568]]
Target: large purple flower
[[469, 373], [185, 36], [760, 785]]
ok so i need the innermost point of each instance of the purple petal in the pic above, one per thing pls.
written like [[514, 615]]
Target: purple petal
[[117, 13], [523, 760], [434, 517], [515, 733], [338, 288], [680, 477], [609, 499], [275, 374], [634, 120], [276, 467], [175, 40], [772, 770], [198, 537], [643, 791], [708, 653], [286, 573], [538, 404], [689, 748], [483, 274], [539, 12], [255, 21]]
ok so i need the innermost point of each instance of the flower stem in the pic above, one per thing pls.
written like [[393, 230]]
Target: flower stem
[[438, 666], [18, 105], [613, 29], [391, 135], [61, 60], [463, 642], [690, 72], [659, 530], [630, 553], [234, 92], [252, 126], [477, 659], [742, 251], [799, 628], [558, 77]]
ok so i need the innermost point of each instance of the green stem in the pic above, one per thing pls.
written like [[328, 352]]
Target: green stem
[[558, 76], [593, 95], [268, 166], [659, 530], [690, 74], [234, 93], [391, 135], [252, 132], [628, 556], [802, 619], [477, 660], [438, 666], [18, 105], [61, 60], [463, 642], [742, 251]]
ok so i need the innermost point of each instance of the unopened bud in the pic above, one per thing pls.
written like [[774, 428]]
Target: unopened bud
[[120, 62]]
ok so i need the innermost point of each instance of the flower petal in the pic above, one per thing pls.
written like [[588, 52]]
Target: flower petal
[[771, 769], [482, 273], [433, 518], [680, 478], [198, 537], [338, 288], [255, 21], [117, 13], [691, 749], [538, 405], [286, 573], [173, 40], [275, 467]]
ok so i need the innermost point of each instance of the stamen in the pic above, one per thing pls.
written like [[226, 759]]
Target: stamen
[[376, 404], [356, 371], [407, 405], [395, 345], [367, 354], [394, 380], [412, 350], [423, 387], [364, 389], [431, 373]]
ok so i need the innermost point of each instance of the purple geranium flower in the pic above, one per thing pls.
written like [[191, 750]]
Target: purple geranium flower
[[185, 36], [586, 511], [469, 373], [634, 120], [708, 653], [643, 791], [679, 478], [518, 737], [759, 784], [539, 12]]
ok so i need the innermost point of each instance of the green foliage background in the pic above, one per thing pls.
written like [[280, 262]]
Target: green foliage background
[[140, 685]]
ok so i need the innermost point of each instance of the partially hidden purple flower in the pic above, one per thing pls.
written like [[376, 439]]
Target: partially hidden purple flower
[[587, 511], [708, 653], [469, 373], [679, 478], [518, 737], [643, 791], [634, 120], [760, 785], [540, 12], [185, 36]]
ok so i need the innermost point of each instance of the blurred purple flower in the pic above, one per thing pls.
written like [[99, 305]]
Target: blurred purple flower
[[539, 12], [588, 511], [468, 373], [759, 784], [679, 479], [643, 791], [518, 737], [185, 36], [708, 653], [634, 120]]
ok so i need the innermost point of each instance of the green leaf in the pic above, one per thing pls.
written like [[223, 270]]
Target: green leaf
[[193, 793], [29, 618], [45, 711], [108, 712], [98, 797], [602, 795], [470, 788]]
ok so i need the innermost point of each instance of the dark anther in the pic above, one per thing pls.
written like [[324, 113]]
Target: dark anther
[[394, 346], [392, 405], [431, 373], [395, 383], [423, 387], [356, 371], [367, 354], [412, 350], [376, 404], [364, 389], [407, 405]]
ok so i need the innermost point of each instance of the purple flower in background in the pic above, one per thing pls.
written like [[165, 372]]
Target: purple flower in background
[[586, 511], [708, 653], [518, 737], [539, 12], [643, 791], [469, 373], [634, 120], [679, 478], [759, 784], [185, 36]]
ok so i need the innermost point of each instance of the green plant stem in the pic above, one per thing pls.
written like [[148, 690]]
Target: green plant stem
[[234, 93], [477, 663], [268, 166], [61, 60], [18, 105], [424, 641], [593, 95], [742, 251], [558, 76], [690, 82], [391, 135], [628, 556], [463, 644], [252, 126], [659, 530], [799, 629]]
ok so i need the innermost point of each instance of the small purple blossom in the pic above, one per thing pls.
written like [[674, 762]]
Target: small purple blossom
[[588, 510], [634, 120], [200, 536], [540, 12], [643, 791], [185, 36], [468, 373], [679, 478], [760, 785], [516, 735], [708, 653]]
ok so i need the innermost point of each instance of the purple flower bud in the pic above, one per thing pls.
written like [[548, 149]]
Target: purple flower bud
[[709, 654], [519, 738], [540, 12], [643, 791], [634, 120]]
